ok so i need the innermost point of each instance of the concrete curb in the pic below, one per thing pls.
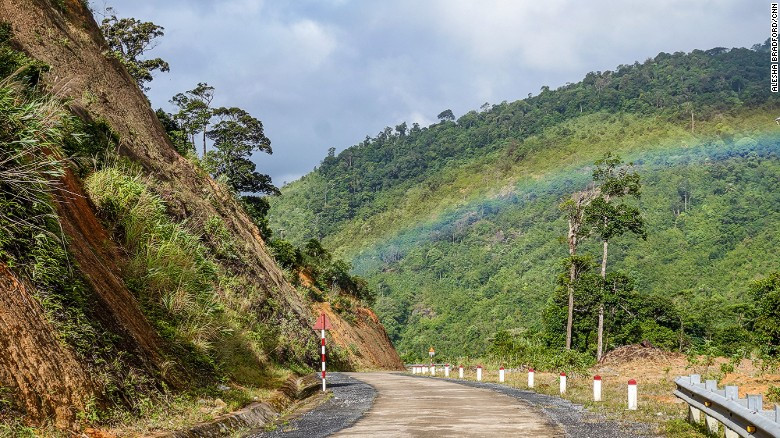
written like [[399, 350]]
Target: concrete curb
[[255, 415]]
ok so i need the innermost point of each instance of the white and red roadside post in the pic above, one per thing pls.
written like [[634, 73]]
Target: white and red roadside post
[[501, 374], [322, 324], [597, 388], [446, 370], [460, 371], [632, 395], [530, 377], [479, 373], [433, 369], [563, 383]]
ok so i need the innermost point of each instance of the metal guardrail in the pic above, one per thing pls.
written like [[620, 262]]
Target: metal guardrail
[[743, 417]]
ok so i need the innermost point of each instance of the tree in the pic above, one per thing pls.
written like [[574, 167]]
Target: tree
[[176, 133], [766, 326], [257, 208], [195, 111], [608, 219], [236, 136], [574, 209], [446, 115], [129, 39]]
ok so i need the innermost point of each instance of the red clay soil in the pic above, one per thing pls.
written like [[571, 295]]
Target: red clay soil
[[43, 373], [366, 342], [98, 259]]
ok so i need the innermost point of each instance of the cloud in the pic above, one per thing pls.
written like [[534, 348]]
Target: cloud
[[323, 74]]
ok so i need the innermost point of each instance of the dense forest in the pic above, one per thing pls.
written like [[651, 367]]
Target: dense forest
[[457, 226]]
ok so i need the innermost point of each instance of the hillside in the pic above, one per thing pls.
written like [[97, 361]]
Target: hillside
[[129, 277], [457, 227]]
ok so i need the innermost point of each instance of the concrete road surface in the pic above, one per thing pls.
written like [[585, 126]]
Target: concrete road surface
[[412, 407]]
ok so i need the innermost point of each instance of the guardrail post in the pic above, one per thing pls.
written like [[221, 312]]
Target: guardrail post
[[460, 371], [694, 415], [530, 377], [446, 370], [563, 383], [597, 388], [711, 423], [632, 395], [479, 373], [501, 374], [755, 402]]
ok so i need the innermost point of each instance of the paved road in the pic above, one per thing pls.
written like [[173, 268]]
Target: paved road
[[401, 405], [407, 406]]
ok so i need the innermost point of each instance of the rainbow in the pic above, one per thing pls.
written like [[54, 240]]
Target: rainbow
[[560, 183]]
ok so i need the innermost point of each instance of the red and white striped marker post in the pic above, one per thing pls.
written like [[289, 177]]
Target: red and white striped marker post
[[632, 395], [501, 374], [530, 377], [596, 388], [322, 324], [479, 373], [563, 383], [460, 371], [446, 370]]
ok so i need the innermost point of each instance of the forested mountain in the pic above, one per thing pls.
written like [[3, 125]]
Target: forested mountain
[[457, 226]]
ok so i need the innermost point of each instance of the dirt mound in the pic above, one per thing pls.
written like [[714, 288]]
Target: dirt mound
[[638, 352]]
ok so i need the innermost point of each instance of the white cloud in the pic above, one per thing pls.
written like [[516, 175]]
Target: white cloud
[[326, 73]]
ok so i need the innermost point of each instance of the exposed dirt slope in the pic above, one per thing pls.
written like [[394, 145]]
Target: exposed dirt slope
[[43, 373], [70, 42], [365, 341]]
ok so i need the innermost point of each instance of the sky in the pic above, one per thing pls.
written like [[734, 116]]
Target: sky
[[327, 73]]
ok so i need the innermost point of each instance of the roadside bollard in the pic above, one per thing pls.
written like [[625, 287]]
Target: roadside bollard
[[501, 374], [596, 388], [460, 371], [479, 373], [414, 369], [632, 405], [433, 369], [563, 383], [530, 377], [446, 370], [425, 370]]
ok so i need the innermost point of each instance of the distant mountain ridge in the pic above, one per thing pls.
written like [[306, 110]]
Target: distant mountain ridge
[[456, 224]]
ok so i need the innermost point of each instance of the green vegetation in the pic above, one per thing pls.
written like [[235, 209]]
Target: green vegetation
[[129, 39], [457, 226], [216, 326]]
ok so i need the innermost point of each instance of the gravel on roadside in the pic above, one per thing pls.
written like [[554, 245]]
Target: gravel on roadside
[[350, 399]]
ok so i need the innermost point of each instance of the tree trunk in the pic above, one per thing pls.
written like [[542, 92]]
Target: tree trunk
[[600, 346], [570, 319], [204, 142]]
